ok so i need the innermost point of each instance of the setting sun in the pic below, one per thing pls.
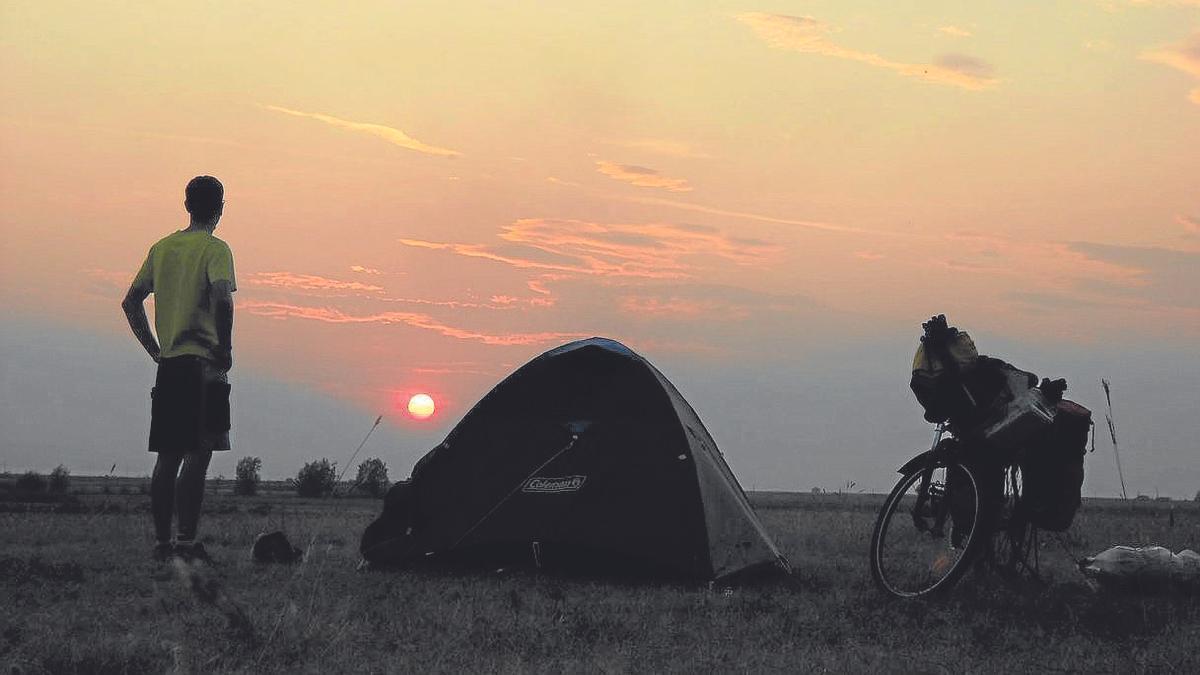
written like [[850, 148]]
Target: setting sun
[[421, 406]]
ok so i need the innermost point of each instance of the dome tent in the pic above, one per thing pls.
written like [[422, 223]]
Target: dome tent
[[586, 457]]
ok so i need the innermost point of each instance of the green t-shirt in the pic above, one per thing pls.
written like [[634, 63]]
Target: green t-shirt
[[180, 270]]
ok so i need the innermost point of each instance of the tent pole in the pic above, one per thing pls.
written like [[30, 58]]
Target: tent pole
[[568, 446]]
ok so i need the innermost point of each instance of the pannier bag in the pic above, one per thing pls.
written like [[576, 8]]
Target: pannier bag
[[935, 373], [1052, 469]]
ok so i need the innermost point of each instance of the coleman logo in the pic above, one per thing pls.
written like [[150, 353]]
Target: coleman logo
[[557, 484]]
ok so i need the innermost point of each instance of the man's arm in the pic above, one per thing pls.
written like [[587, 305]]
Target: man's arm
[[135, 312], [222, 291]]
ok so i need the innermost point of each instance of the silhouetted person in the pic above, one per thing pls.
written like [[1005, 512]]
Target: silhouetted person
[[190, 273]]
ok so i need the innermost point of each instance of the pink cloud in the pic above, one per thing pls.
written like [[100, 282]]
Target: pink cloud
[[1184, 57], [574, 247], [1053, 264], [1160, 3], [808, 35], [681, 308], [365, 270], [811, 224], [955, 31], [451, 304], [642, 176], [307, 282], [662, 146], [389, 134], [283, 311], [110, 277], [1191, 224]]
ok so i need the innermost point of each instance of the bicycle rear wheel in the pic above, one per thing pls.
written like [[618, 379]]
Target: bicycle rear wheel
[[927, 531], [1014, 539]]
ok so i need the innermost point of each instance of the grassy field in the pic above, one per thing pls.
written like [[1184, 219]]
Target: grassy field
[[80, 594]]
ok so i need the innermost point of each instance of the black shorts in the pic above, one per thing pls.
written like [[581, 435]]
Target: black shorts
[[189, 407]]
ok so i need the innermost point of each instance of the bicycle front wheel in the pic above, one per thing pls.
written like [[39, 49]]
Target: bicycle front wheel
[[928, 529]]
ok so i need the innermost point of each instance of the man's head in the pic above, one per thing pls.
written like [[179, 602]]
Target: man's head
[[205, 199]]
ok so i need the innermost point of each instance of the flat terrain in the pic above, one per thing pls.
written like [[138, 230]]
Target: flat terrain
[[80, 594]]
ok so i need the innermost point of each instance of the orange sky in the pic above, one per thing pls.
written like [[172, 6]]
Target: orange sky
[[422, 198]]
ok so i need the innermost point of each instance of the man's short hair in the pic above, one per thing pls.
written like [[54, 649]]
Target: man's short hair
[[204, 197]]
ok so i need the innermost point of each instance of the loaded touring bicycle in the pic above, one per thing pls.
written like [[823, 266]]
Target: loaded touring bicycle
[[1006, 461]]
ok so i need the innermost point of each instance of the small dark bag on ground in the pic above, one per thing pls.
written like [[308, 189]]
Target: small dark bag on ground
[[1052, 469]]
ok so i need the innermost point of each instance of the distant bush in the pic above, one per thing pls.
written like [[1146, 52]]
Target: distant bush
[[247, 480], [31, 481], [316, 479], [60, 480], [1197, 496], [372, 477]]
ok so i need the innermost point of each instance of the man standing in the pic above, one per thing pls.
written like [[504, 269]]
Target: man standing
[[190, 273]]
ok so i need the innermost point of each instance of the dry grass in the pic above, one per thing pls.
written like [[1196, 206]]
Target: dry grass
[[80, 594]]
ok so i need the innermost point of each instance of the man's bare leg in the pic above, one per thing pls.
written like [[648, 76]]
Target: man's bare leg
[[189, 494]]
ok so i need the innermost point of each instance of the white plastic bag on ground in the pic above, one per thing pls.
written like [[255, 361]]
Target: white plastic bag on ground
[[1148, 566]]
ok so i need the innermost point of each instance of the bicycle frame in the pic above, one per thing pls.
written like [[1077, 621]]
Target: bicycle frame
[[925, 494], [924, 490]]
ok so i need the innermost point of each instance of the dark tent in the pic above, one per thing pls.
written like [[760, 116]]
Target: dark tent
[[586, 457]]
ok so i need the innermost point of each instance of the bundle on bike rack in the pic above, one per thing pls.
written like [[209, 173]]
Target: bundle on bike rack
[[1021, 414], [943, 357]]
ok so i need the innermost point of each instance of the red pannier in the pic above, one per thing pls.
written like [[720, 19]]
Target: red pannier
[[1052, 469]]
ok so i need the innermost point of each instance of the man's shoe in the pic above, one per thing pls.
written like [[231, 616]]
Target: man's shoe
[[192, 552], [162, 551]]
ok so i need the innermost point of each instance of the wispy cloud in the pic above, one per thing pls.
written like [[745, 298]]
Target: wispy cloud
[[869, 255], [365, 270], [642, 176], [1054, 264], [574, 247], [662, 146], [458, 368], [1191, 224], [389, 134], [1184, 57], [682, 308], [955, 31], [711, 210], [806, 34], [1114, 4], [307, 282], [1166, 277], [451, 304], [1098, 45], [283, 311]]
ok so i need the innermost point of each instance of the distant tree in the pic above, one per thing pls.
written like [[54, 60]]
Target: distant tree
[[1197, 496], [316, 479], [31, 481], [372, 477], [60, 480], [247, 477]]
